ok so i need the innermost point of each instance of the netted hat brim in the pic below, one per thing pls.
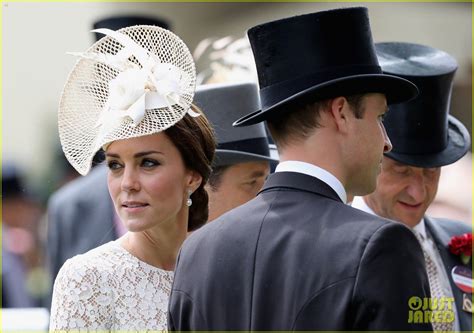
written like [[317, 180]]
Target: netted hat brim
[[85, 98]]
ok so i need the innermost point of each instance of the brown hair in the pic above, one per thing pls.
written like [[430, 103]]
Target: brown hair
[[299, 121], [194, 138]]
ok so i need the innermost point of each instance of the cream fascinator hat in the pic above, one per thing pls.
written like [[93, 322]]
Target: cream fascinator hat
[[133, 82]]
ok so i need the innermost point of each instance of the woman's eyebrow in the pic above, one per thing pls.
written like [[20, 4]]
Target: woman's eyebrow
[[140, 154]]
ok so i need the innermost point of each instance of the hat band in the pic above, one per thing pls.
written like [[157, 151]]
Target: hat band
[[258, 146], [272, 94]]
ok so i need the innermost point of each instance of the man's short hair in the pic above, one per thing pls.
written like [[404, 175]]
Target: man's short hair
[[216, 176], [299, 122]]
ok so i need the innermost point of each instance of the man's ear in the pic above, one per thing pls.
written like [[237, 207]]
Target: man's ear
[[339, 110]]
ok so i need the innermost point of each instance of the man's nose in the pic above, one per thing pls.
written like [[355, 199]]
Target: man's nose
[[387, 143]]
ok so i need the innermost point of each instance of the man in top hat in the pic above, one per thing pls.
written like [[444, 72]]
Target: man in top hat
[[297, 257], [242, 161], [425, 138]]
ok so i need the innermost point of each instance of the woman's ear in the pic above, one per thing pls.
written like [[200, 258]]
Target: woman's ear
[[194, 180]]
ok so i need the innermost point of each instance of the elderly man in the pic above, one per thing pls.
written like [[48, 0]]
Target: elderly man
[[242, 157], [297, 257], [424, 139]]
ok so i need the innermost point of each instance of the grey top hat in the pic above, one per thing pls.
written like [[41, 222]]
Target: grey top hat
[[224, 103]]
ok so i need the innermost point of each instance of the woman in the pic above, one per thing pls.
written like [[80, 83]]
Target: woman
[[131, 94]]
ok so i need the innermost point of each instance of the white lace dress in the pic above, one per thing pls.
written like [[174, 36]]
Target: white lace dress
[[108, 289]]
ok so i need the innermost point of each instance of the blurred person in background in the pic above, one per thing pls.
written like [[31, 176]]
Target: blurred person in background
[[77, 222], [425, 138], [24, 279], [242, 161]]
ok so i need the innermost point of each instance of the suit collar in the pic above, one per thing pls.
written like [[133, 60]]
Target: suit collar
[[441, 239], [299, 181], [314, 171], [440, 236]]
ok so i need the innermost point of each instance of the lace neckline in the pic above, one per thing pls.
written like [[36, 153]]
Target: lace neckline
[[119, 247]]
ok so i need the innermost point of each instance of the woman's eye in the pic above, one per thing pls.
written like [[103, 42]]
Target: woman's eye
[[113, 165], [148, 163]]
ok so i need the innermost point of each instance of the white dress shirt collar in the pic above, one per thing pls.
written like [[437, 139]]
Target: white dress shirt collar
[[314, 171], [359, 203], [420, 228]]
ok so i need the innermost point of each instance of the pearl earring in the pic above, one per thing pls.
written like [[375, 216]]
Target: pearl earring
[[189, 202]]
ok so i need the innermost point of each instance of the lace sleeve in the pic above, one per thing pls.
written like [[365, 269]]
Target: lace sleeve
[[82, 297]]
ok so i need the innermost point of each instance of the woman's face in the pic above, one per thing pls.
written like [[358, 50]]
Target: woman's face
[[148, 181]]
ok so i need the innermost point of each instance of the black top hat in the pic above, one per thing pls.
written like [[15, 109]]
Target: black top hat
[[222, 103], [119, 22], [421, 131], [318, 56]]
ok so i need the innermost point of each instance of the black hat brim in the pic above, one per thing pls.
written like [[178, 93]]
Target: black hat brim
[[395, 89], [458, 144], [229, 157]]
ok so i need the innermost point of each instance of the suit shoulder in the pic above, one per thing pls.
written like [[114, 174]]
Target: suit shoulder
[[240, 225], [452, 227], [382, 236], [241, 217], [397, 232], [368, 221]]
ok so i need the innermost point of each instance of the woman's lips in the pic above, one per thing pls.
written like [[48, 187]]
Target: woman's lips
[[134, 206]]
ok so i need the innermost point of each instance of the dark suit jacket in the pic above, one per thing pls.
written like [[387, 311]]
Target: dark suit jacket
[[80, 218], [297, 258], [442, 230]]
